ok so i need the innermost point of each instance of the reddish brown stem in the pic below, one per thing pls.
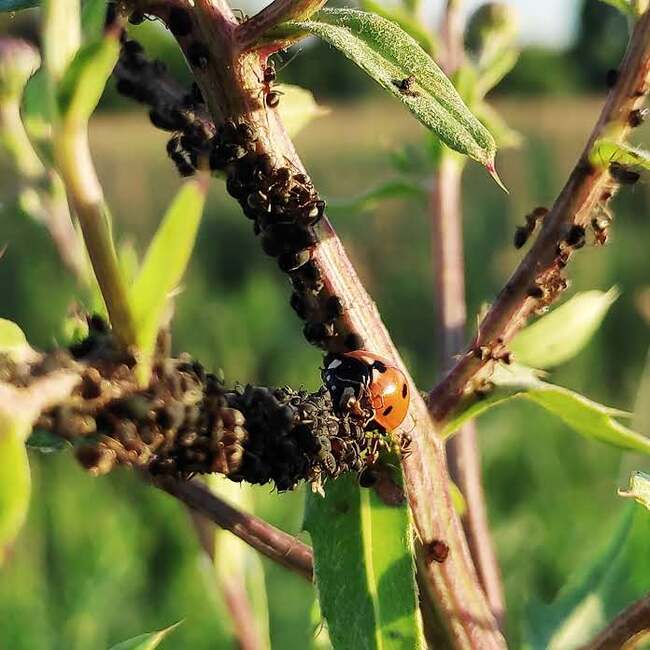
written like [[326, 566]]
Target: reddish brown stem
[[462, 450], [262, 536], [451, 316], [626, 630], [582, 192]]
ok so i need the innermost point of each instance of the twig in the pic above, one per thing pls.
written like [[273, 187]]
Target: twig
[[233, 588], [262, 536], [451, 315], [582, 192], [277, 12], [626, 629], [462, 450]]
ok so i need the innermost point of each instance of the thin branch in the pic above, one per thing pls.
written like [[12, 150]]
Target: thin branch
[[462, 450], [587, 186], [279, 11], [626, 630], [451, 315], [257, 533]]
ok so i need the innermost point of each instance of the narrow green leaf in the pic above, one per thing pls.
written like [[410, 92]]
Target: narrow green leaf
[[148, 641], [597, 592], [393, 58], [605, 152], [492, 75], [165, 263], [85, 78], [364, 568], [561, 334], [298, 108], [15, 481], [639, 489], [93, 16], [15, 5], [393, 189], [588, 418]]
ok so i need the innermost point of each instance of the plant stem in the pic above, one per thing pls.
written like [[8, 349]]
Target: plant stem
[[279, 11], [580, 195], [262, 536], [463, 453], [627, 630], [85, 194]]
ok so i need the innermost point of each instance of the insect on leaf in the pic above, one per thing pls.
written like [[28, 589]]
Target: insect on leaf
[[396, 62], [561, 334], [148, 641], [363, 558], [588, 418], [165, 264]]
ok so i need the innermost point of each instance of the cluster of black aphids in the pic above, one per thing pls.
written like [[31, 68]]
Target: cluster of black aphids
[[172, 109]]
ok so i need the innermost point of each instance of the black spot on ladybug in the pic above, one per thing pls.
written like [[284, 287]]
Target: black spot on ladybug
[[405, 390], [388, 411]]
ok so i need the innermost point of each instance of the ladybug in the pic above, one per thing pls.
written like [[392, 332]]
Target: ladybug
[[369, 386]]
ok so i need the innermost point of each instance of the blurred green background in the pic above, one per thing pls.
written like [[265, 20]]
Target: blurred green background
[[105, 559]]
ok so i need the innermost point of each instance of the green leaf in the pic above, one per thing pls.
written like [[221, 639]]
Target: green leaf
[[390, 56], [492, 75], [85, 79], [615, 578], [364, 568], [93, 16], [393, 189], [15, 5], [588, 418], [146, 641], [12, 338], [624, 6], [15, 481], [298, 108], [46, 442], [639, 489], [561, 334], [407, 21], [165, 263], [605, 152]]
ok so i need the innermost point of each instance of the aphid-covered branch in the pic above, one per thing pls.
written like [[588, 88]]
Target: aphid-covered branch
[[266, 176], [539, 278]]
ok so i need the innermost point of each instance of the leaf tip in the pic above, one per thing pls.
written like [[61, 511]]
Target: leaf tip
[[492, 170]]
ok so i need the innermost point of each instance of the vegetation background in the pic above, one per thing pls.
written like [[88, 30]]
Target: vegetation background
[[105, 559]]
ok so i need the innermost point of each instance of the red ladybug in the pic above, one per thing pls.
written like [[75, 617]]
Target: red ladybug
[[369, 386]]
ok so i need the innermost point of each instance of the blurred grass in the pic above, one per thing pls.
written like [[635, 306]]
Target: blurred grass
[[105, 559]]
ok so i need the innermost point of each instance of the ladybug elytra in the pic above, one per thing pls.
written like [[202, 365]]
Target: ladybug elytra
[[369, 386]]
